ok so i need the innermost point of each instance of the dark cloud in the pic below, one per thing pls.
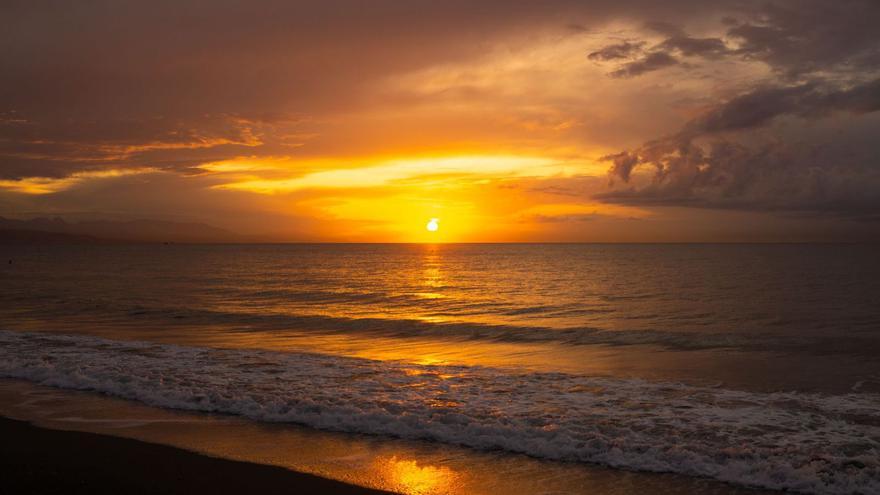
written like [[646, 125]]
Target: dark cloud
[[794, 38], [695, 47], [751, 169], [661, 55], [623, 164], [651, 62], [617, 51], [760, 105], [810, 36], [753, 108], [779, 177], [759, 150]]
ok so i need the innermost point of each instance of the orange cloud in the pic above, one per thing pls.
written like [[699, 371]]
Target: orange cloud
[[47, 185]]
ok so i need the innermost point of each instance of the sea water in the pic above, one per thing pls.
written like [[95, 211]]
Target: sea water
[[756, 365]]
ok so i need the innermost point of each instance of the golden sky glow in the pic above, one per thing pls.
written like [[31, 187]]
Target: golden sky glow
[[416, 172], [392, 198], [510, 121]]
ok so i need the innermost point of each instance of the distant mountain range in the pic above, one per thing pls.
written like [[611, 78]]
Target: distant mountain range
[[58, 230]]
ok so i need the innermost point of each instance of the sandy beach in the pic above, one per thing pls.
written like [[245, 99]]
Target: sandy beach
[[43, 461]]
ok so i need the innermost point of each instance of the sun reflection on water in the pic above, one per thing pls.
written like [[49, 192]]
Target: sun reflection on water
[[432, 263]]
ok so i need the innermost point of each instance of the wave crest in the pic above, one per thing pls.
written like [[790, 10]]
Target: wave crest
[[802, 442]]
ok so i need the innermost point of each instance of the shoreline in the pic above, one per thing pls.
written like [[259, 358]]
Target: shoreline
[[379, 463], [40, 460]]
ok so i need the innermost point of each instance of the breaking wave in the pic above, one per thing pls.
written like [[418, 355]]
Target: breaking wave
[[824, 444]]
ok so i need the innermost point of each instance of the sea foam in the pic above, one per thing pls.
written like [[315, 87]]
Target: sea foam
[[802, 442]]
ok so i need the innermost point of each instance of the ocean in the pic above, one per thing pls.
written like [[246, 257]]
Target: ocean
[[749, 365]]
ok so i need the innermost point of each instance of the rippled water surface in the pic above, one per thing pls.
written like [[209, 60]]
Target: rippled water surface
[[751, 364]]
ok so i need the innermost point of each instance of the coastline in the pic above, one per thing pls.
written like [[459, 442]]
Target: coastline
[[380, 463], [39, 460]]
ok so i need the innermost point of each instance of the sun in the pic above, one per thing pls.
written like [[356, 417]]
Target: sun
[[433, 225]]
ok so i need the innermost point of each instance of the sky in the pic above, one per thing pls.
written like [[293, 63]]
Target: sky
[[504, 120]]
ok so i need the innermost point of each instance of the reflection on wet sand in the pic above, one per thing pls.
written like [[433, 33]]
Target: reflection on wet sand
[[410, 477], [403, 466]]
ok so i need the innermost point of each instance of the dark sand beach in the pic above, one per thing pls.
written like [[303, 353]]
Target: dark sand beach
[[38, 460]]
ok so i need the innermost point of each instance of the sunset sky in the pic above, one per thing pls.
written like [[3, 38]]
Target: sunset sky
[[343, 120]]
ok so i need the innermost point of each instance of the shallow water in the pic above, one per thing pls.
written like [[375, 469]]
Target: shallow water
[[752, 364]]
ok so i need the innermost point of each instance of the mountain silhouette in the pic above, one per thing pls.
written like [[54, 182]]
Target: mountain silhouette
[[57, 229]]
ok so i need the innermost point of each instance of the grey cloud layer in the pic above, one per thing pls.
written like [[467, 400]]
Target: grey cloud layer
[[87, 78], [795, 38], [759, 149]]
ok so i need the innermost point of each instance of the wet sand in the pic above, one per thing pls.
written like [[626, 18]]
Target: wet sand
[[42, 461], [381, 463]]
